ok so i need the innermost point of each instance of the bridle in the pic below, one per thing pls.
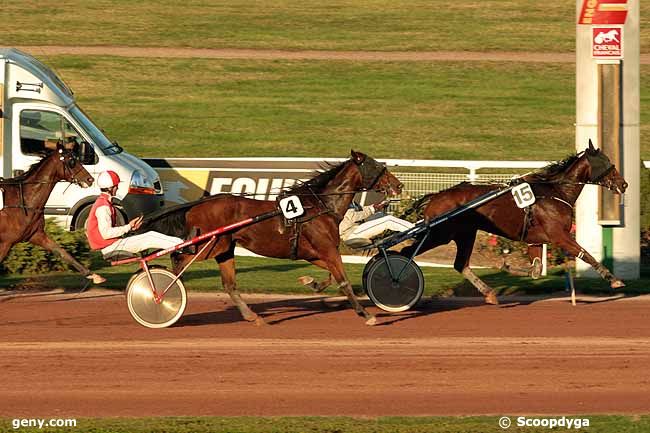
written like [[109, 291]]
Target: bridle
[[69, 164], [369, 174], [599, 168]]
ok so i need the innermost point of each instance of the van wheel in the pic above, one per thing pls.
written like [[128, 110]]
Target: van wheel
[[81, 220]]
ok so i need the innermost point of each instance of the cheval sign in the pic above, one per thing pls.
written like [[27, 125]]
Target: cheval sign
[[607, 42]]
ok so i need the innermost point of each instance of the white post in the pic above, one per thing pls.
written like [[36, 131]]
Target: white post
[[626, 239], [588, 231], [589, 234]]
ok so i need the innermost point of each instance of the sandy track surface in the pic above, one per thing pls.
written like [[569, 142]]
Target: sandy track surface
[[228, 53], [85, 356]]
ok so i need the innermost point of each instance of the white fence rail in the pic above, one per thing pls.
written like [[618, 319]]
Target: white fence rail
[[184, 178]]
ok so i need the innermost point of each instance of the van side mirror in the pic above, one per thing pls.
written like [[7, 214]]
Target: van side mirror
[[87, 154]]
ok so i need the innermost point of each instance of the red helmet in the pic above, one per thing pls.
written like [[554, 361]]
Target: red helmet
[[107, 179]]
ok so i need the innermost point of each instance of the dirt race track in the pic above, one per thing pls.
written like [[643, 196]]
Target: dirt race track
[[85, 356]]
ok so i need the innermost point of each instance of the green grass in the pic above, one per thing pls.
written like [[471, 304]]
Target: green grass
[[277, 276], [334, 25], [220, 108], [597, 424], [474, 25]]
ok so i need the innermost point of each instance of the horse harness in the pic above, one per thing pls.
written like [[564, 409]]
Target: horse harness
[[368, 177], [599, 169], [295, 224]]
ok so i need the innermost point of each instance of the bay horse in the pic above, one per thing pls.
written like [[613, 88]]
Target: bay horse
[[556, 188], [314, 237], [23, 216]]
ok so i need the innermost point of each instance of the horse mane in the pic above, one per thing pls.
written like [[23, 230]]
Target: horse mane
[[320, 179], [552, 172], [32, 168]]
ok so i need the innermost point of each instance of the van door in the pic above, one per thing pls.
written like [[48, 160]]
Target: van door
[[37, 128]]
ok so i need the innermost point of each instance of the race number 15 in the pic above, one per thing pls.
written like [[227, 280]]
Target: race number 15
[[291, 207], [523, 195]]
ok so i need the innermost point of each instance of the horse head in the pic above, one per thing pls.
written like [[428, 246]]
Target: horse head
[[602, 172], [375, 175], [71, 169]]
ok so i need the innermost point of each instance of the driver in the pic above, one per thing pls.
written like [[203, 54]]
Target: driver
[[104, 235], [362, 223]]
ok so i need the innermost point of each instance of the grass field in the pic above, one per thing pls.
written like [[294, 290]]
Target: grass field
[[433, 25], [597, 424], [217, 108], [436, 110], [334, 25], [220, 108]]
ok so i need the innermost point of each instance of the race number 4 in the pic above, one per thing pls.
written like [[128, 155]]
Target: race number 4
[[291, 207], [523, 195]]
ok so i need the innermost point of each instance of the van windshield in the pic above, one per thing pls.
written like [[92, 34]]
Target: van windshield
[[96, 134]]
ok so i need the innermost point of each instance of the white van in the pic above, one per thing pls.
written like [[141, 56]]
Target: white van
[[36, 108]]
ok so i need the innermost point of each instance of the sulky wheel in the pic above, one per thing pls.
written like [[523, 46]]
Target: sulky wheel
[[142, 304], [397, 293]]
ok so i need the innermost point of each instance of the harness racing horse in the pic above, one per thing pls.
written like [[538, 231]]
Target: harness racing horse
[[22, 217], [313, 237], [556, 188]]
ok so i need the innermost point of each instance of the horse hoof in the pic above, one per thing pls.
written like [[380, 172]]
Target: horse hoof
[[617, 284], [97, 279], [491, 299], [260, 322], [372, 321], [306, 280]]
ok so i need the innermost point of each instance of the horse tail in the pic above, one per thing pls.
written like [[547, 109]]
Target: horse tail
[[417, 205]]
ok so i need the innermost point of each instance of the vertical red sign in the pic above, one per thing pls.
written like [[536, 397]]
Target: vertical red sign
[[603, 12]]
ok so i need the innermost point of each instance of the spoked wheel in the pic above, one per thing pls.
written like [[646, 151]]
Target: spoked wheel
[[393, 293], [142, 303]]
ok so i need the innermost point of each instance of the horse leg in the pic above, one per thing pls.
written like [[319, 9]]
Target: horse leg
[[572, 247], [227, 269], [317, 287], [534, 270], [335, 266], [535, 252], [464, 246], [5, 247], [308, 281], [42, 240]]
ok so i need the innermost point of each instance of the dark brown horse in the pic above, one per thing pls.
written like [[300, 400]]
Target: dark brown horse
[[549, 219], [22, 217], [314, 237]]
